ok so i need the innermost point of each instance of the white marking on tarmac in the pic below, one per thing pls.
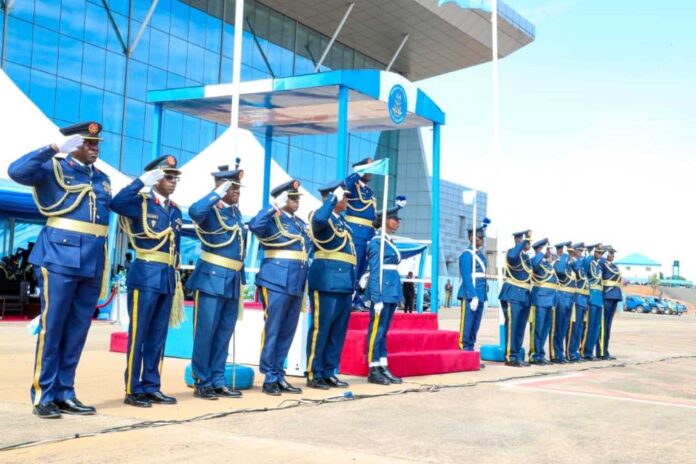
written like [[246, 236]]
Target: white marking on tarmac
[[523, 384]]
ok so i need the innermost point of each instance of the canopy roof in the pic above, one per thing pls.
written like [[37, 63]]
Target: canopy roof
[[636, 259], [307, 104]]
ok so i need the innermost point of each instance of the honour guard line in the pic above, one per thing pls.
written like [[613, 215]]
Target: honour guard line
[[572, 296]]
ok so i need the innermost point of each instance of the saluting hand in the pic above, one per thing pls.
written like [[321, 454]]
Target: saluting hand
[[150, 178], [70, 144], [281, 200], [221, 190], [339, 193]]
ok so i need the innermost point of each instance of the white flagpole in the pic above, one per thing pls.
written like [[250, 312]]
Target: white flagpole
[[384, 226], [473, 243], [236, 72]]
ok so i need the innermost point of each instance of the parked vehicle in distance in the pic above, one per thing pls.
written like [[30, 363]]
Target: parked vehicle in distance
[[674, 308], [680, 308], [657, 305], [636, 304]]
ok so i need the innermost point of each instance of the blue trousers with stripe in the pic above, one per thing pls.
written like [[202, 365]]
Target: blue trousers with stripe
[[281, 313], [609, 312], [377, 334], [559, 331], [67, 307], [214, 320], [516, 317], [469, 324], [576, 333], [147, 331], [592, 330], [539, 330], [327, 332]]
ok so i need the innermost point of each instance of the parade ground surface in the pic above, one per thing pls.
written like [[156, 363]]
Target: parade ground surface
[[639, 408]]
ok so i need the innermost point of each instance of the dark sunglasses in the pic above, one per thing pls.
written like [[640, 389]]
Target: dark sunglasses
[[172, 178]]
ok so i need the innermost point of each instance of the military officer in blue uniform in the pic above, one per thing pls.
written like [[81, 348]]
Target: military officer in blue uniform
[[565, 297], [473, 290], [544, 285], [281, 280], [611, 285], [153, 224], [514, 297], [595, 312], [331, 285], [582, 296], [360, 214], [385, 292], [217, 282], [70, 259]]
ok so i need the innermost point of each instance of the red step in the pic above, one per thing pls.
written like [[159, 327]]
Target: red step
[[408, 340], [401, 321], [119, 342]]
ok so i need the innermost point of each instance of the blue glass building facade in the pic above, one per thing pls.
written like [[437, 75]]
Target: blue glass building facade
[[79, 60]]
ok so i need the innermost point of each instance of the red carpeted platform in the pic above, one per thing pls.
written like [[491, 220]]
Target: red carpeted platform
[[415, 344]]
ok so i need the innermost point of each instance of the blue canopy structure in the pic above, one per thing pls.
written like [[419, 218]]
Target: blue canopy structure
[[321, 103]]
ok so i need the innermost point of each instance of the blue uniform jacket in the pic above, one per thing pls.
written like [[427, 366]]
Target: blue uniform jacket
[[59, 250], [582, 286], [210, 278], [611, 280], [361, 204], [594, 277], [470, 289], [331, 232], [391, 290], [278, 274], [543, 274], [566, 281], [146, 275], [519, 269]]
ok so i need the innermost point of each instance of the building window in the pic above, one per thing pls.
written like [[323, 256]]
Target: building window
[[462, 226], [647, 269]]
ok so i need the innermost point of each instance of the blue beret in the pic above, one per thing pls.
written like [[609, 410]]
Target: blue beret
[[292, 187], [165, 163], [540, 243], [362, 161], [331, 186], [88, 130]]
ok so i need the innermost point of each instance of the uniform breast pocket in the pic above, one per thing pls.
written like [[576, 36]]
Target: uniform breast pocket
[[64, 248]]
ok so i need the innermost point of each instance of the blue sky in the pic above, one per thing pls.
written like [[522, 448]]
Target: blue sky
[[598, 127]]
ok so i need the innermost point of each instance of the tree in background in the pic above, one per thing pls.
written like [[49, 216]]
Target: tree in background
[[654, 282]]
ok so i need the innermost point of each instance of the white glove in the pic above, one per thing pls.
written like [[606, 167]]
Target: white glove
[[150, 178], [378, 307], [339, 193], [474, 304], [71, 143], [221, 190], [281, 200]]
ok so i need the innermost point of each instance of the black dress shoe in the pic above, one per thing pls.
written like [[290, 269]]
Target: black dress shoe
[[139, 400], [317, 383], [285, 387], [205, 393], [271, 388], [376, 376], [334, 381], [47, 410], [392, 378], [559, 361], [75, 407], [513, 363], [224, 392], [160, 398]]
